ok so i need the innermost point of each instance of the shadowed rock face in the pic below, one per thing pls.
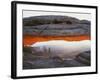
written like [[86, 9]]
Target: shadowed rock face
[[38, 20], [57, 30], [35, 62], [55, 26]]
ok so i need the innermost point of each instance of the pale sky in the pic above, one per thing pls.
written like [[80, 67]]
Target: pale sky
[[80, 16]]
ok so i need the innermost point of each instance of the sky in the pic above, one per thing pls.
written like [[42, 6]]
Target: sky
[[81, 16]]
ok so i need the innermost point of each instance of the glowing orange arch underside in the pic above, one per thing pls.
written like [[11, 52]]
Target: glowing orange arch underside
[[27, 39]]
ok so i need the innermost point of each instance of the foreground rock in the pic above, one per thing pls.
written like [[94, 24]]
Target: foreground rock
[[37, 62]]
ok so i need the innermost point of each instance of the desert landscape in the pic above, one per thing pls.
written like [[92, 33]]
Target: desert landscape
[[52, 41]]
